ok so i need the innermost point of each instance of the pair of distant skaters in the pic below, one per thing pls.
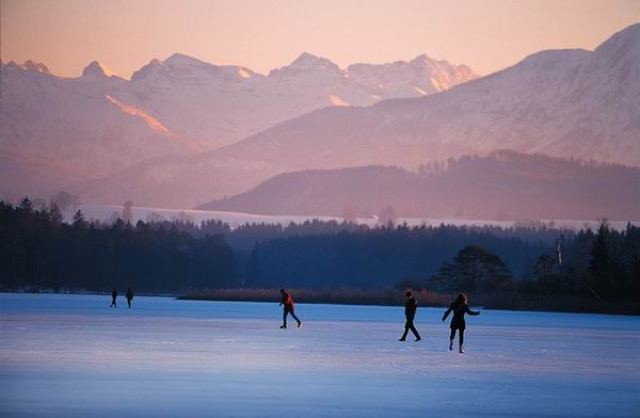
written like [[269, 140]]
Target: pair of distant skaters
[[114, 296], [459, 307]]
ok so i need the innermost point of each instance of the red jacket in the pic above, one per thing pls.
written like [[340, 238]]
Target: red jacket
[[286, 300]]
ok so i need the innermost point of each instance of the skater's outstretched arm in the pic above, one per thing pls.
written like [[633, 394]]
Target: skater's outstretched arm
[[470, 312], [446, 314]]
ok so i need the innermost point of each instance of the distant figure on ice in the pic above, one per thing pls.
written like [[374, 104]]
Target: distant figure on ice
[[129, 296], [114, 295], [410, 307], [287, 301], [459, 307]]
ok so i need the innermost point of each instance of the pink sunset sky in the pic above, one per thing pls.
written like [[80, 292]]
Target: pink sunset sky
[[487, 35]]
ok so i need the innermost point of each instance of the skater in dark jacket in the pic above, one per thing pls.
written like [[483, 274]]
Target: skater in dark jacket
[[410, 307], [287, 301], [129, 296], [114, 295], [459, 307]]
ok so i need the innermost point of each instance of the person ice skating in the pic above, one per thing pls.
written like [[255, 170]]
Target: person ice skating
[[114, 295], [459, 307], [410, 307], [287, 301], [129, 296]]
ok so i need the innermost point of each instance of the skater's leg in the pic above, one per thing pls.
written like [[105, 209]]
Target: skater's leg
[[285, 312], [461, 337], [451, 337], [415, 332], [406, 331], [296, 318]]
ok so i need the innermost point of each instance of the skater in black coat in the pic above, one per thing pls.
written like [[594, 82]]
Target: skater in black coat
[[459, 308], [129, 296], [114, 295], [410, 307]]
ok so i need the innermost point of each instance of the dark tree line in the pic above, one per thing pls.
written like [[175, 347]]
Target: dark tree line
[[378, 257], [39, 251], [604, 263]]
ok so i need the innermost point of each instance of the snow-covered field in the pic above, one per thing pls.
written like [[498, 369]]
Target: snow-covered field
[[73, 356], [236, 219]]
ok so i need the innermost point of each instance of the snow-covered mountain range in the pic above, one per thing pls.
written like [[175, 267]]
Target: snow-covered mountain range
[[199, 103], [564, 103], [99, 124], [155, 139]]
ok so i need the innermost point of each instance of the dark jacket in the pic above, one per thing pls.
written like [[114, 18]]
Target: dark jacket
[[410, 308], [459, 310]]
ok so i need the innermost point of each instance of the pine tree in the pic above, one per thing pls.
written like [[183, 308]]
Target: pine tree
[[601, 262]]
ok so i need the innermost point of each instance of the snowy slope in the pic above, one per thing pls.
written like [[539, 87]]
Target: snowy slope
[[221, 104], [217, 104], [77, 122], [99, 124], [565, 103]]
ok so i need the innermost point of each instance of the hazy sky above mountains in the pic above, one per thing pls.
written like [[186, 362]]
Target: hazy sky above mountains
[[488, 35]]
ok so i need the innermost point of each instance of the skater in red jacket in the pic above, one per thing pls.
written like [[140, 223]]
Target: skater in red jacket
[[287, 301]]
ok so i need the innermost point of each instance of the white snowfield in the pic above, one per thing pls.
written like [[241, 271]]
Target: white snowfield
[[235, 219], [73, 356]]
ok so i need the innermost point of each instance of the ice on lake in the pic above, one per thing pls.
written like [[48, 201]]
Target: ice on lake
[[73, 356]]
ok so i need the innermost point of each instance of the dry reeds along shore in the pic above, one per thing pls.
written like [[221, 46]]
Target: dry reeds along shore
[[510, 300]]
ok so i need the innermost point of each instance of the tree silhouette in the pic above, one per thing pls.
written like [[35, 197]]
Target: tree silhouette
[[473, 269]]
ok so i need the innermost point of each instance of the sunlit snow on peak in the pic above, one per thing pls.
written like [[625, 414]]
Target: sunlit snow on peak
[[244, 73], [337, 101]]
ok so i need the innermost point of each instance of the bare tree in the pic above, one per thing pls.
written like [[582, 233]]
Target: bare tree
[[63, 200], [154, 217], [349, 214], [387, 216], [127, 213]]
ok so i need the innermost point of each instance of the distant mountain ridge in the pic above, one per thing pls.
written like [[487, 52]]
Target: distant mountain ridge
[[179, 89], [503, 186], [565, 103], [140, 140], [101, 124]]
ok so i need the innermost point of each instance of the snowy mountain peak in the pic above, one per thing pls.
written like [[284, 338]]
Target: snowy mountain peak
[[95, 69], [35, 66], [146, 70], [622, 46], [310, 62], [182, 60], [422, 59]]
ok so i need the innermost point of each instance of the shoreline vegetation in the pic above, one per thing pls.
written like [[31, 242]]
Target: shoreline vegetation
[[395, 297], [509, 301]]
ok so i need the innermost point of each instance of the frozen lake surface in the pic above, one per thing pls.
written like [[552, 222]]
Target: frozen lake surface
[[73, 356]]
